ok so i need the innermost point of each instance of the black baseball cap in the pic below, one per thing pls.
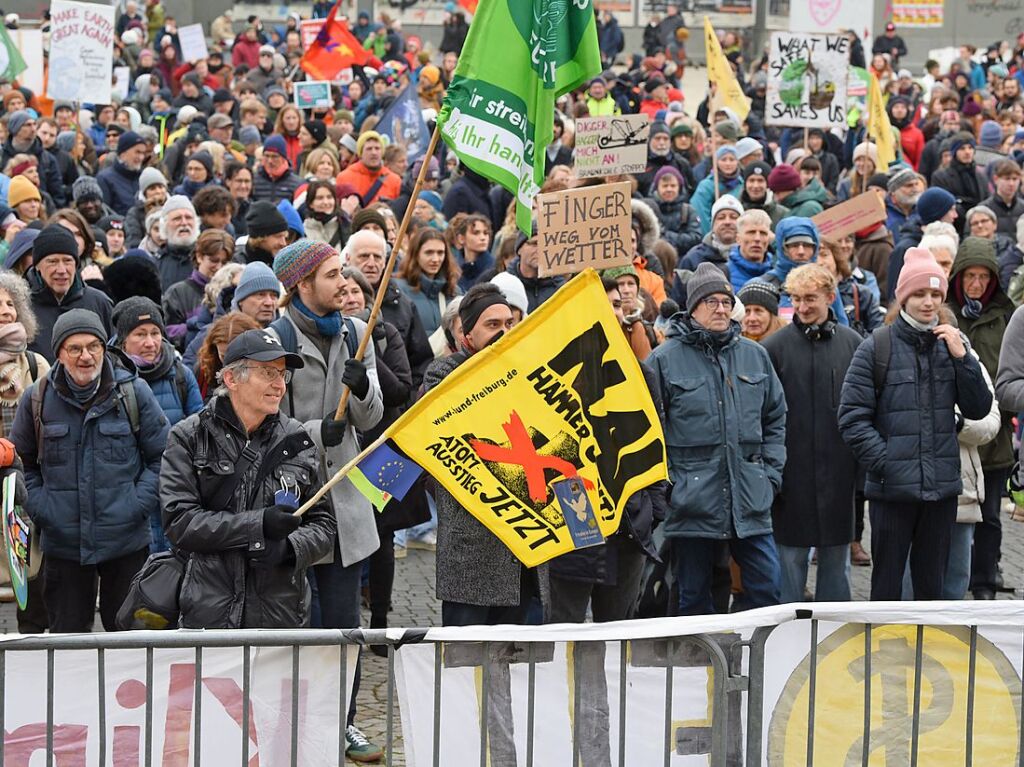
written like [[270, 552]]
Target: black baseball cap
[[261, 346]]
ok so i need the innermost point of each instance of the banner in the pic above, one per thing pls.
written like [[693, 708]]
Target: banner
[[321, 705], [879, 128], [579, 671], [81, 52], [832, 16], [921, 14], [403, 124], [807, 76], [584, 227], [29, 43], [309, 29], [559, 399], [611, 145], [498, 116]]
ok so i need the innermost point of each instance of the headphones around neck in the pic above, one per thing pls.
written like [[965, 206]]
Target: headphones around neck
[[820, 332]]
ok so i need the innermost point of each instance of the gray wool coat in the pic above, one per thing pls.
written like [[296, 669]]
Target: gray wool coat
[[315, 391]]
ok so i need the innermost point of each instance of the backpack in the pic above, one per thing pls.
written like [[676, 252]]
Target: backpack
[[181, 383], [883, 352], [125, 396], [289, 340]]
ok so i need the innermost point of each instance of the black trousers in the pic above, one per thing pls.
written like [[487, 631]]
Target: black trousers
[[922, 529], [988, 534], [70, 590], [382, 578]]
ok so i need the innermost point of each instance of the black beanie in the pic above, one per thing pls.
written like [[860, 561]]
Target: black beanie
[[318, 130], [264, 219], [135, 311], [54, 240]]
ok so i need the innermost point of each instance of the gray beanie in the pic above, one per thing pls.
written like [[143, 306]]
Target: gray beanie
[[760, 293], [250, 134], [76, 321], [66, 140], [901, 177], [17, 121], [706, 281], [85, 186], [256, 277], [150, 177], [177, 202], [135, 311]]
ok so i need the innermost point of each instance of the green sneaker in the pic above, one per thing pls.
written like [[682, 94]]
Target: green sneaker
[[358, 748]]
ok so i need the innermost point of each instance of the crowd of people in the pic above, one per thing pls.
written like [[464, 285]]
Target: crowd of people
[[187, 275]]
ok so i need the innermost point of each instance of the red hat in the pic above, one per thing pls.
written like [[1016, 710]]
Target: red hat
[[784, 178], [920, 270]]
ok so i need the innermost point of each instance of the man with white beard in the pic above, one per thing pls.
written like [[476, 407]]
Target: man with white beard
[[181, 230], [120, 181]]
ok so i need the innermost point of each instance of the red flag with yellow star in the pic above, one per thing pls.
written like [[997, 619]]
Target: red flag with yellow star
[[335, 49]]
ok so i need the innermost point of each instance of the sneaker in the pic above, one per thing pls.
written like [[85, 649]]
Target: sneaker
[[400, 552], [358, 748], [427, 542]]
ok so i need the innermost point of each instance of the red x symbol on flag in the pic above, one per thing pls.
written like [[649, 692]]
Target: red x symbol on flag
[[521, 452]]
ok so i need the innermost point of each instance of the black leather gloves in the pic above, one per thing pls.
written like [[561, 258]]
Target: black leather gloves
[[355, 377], [279, 522], [332, 432]]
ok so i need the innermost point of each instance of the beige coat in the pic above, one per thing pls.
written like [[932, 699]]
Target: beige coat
[[973, 435]]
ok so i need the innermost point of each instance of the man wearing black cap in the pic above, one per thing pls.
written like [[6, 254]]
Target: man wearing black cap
[[91, 435], [247, 551], [268, 233], [756, 196], [57, 287], [891, 44], [120, 181]]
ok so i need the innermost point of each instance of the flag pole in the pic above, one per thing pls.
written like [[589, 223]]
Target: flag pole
[[378, 301], [714, 160], [340, 474]]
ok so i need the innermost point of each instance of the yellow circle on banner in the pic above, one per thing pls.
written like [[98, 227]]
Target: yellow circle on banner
[[945, 663]]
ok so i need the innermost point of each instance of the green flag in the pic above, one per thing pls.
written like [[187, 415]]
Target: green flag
[[519, 57], [11, 62]]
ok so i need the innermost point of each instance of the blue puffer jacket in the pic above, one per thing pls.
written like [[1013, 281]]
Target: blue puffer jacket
[[163, 382], [789, 227], [742, 271], [120, 186], [725, 431], [93, 494], [905, 436]]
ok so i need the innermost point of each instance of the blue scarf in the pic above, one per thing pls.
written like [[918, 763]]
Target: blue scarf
[[328, 327], [742, 271]]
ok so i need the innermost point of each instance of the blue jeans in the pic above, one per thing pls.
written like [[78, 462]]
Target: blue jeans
[[759, 566], [420, 530], [958, 567], [833, 576]]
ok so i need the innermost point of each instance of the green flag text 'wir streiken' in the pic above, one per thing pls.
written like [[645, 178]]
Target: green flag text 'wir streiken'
[[519, 57]]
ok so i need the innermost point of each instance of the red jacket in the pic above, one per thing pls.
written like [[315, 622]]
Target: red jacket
[[912, 141], [651, 107], [246, 52]]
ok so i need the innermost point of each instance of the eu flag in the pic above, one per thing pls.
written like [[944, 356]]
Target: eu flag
[[384, 474]]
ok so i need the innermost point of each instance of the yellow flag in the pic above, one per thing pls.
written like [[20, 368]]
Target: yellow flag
[[879, 127], [544, 435], [728, 92]]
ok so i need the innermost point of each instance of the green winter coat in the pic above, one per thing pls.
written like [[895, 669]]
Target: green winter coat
[[807, 202]]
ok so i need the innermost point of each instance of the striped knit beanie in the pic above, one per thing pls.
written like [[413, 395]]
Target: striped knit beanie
[[300, 259]]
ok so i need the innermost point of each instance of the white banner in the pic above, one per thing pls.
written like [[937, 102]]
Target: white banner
[[76, 706], [580, 681], [807, 76], [81, 52], [193, 43]]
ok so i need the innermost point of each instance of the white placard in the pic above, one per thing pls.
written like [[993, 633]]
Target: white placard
[[807, 76], [30, 43], [122, 79], [193, 43], [81, 52]]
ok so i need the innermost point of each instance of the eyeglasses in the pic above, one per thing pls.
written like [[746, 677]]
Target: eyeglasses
[[714, 303], [271, 375], [74, 351]]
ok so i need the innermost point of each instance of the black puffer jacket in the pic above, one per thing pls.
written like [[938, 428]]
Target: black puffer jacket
[[905, 435], [680, 224], [221, 587]]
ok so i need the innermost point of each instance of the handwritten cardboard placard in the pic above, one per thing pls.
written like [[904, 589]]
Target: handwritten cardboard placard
[[610, 145], [81, 52], [851, 216], [193, 43], [580, 228], [807, 76]]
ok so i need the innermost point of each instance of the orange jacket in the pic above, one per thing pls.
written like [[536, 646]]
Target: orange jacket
[[362, 178]]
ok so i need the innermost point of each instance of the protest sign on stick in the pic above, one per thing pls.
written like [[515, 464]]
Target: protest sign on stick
[[610, 145], [807, 77], [586, 227], [81, 52], [193, 43]]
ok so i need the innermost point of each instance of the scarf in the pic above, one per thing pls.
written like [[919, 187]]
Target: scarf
[[81, 394], [973, 307], [329, 326], [13, 342], [742, 271], [916, 325]]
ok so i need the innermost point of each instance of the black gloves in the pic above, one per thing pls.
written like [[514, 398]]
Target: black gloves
[[279, 522], [355, 377], [274, 554], [332, 432]]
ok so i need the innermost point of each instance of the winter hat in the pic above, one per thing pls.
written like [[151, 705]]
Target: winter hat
[[112, 221], [959, 139], [367, 136], [433, 198], [264, 219], [256, 277], [727, 129], [17, 121], [300, 259], [971, 108], [205, 159], [54, 240], [292, 219], [991, 134], [135, 311], [668, 170], [784, 178], [21, 190], [217, 120], [222, 96], [128, 141], [935, 203], [177, 202], [722, 151], [757, 168], [318, 130], [133, 274], [868, 150], [368, 216], [879, 181], [66, 140], [348, 143], [653, 84], [150, 177], [622, 271], [249, 134], [21, 246], [513, 290], [760, 293], [706, 281], [920, 270], [900, 178], [747, 146], [679, 128], [85, 187], [275, 143], [726, 202], [76, 321], [658, 128]]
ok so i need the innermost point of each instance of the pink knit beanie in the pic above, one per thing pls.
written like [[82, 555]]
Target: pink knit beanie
[[920, 270]]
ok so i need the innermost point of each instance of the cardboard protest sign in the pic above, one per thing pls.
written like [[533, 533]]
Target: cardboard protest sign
[[850, 216], [807, 76], [580, 228], [81, 52], [193, 42], [607, 146], [313, 94]]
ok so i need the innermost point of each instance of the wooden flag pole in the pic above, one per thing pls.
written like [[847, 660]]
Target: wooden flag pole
[[388, 268], [340, 475]]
